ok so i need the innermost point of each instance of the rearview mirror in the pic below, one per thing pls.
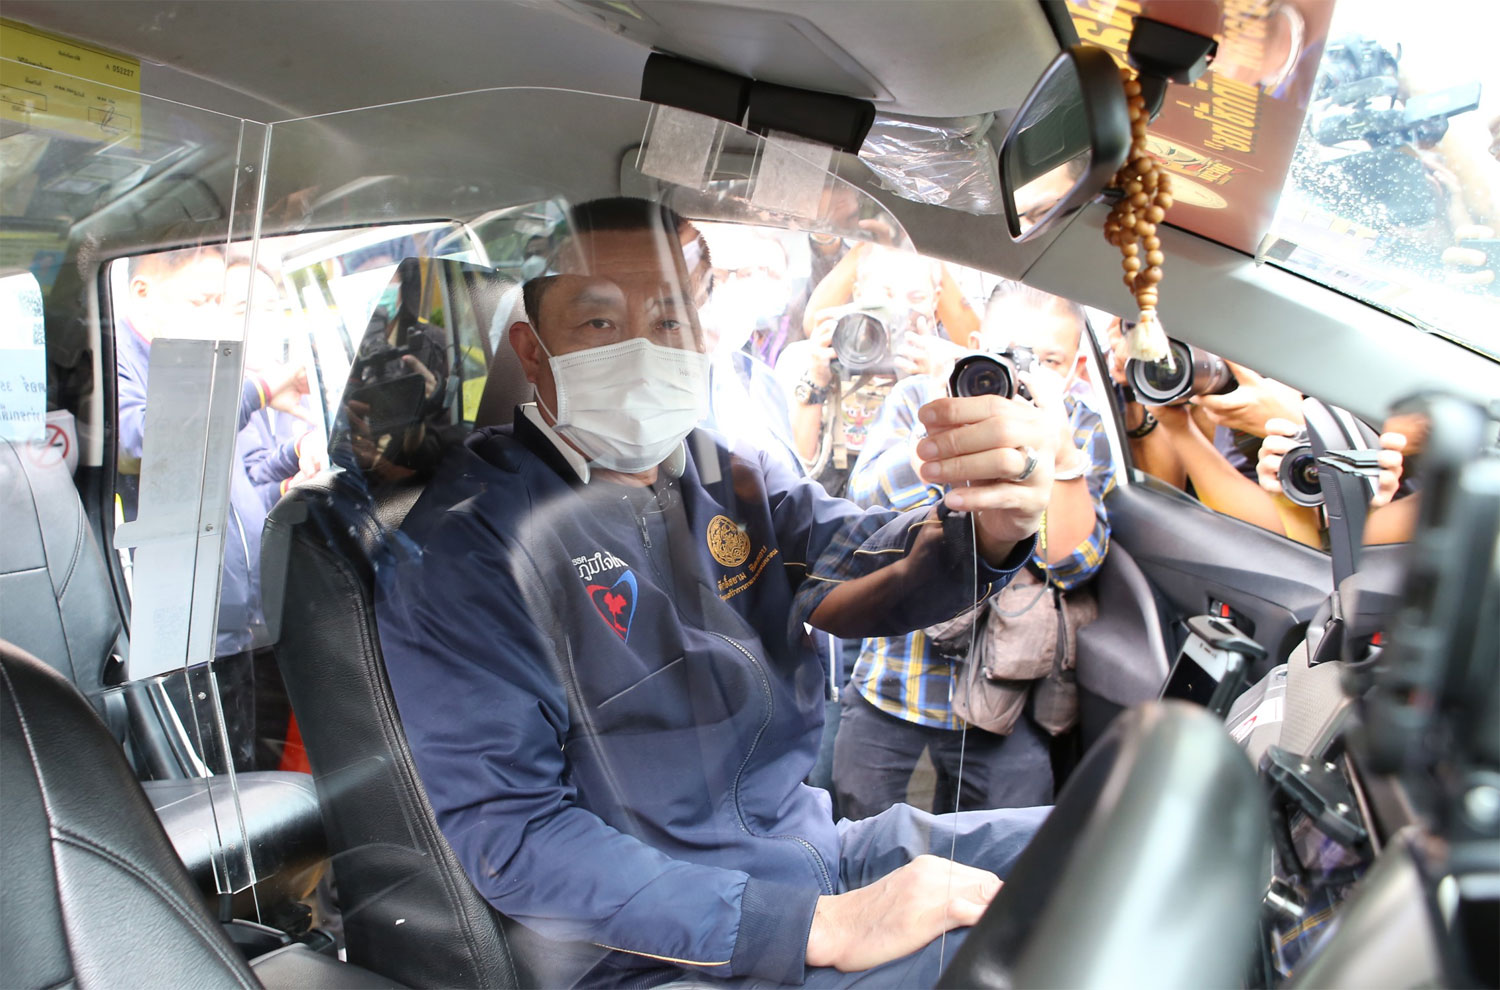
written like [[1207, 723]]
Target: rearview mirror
[[1068, 139]]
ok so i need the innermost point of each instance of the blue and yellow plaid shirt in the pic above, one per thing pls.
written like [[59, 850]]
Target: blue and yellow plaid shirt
[[896, 673]]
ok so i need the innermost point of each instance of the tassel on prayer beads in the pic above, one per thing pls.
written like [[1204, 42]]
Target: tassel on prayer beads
[[1132, 223]]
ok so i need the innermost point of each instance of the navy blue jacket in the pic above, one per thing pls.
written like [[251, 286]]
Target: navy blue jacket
[[612, 700]]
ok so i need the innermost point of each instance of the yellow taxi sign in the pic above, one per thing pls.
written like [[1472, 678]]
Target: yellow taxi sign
[[50, 83]]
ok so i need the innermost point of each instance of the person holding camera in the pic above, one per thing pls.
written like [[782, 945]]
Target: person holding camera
[[1389, 521], [876, 317], [901, 698], [594, 626], [1206, 435]]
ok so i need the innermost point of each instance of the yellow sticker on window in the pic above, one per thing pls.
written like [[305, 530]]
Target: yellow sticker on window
[[53, 84], [473, 389]]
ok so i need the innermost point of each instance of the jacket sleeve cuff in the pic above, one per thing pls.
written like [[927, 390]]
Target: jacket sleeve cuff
[[775, 919], [959, 555]]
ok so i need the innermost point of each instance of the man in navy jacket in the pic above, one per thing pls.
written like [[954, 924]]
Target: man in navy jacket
[[603, 669]]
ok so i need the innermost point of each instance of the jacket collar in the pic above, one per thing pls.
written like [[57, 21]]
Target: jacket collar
[[533, 430]]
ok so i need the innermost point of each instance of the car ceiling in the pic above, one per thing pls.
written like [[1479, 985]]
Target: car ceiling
[[300, 57], [272, 60]]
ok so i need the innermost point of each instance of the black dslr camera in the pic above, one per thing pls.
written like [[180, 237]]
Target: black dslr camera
[[1186, 372], [992, 374], [866, 339], [1299, 473]]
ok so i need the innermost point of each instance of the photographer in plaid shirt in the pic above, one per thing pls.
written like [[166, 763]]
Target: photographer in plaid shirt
[[896, 704]]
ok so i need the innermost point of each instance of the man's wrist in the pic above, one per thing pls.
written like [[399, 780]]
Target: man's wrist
[[1072, 464], [821, 938], [810, 393], [1144, 427]]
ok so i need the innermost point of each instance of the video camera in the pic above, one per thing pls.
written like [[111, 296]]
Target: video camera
[[1356, 71], [391, 390], [992, 374], [1187, 371]]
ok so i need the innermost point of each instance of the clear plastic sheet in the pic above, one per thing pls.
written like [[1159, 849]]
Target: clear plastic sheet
[[948, 162]]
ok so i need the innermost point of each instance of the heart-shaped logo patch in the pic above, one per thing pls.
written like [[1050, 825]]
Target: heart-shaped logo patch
[[616, 603]]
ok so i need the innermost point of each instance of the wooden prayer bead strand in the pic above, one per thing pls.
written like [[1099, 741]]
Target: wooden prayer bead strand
[[1133, 220]]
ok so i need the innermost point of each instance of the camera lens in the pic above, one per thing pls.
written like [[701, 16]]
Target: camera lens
[[1165, 382], [1299, 476], [981, 374], [1189, 372], [861, 341], [1211, 376]]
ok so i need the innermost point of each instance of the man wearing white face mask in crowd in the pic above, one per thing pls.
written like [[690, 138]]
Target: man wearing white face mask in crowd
[[899, 702], [601, 665]]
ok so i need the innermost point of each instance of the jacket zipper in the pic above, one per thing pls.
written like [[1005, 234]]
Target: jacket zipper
[[817, 857], [770, 705]]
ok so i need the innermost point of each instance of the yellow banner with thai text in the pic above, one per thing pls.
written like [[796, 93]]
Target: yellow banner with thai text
[[50, 83]]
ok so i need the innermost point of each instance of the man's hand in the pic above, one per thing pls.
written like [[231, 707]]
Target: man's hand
[[1392, 463], [287, 385], [1280, 438], [429, 380], [897, 914], [1256, 400], [1046, 388], [977, 447], [312, 455], [821, 354]]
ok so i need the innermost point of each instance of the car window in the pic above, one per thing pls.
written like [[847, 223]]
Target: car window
[[1237, 440], [1392, 193]]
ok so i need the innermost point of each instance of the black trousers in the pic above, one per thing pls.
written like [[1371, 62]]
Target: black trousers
[[875, 753]]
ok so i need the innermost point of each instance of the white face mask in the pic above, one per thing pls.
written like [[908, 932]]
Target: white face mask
[[627, 405]]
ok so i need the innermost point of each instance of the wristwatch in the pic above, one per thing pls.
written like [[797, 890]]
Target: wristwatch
[[1148, 423], [809, 393]]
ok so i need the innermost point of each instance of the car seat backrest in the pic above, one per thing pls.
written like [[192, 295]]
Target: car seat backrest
[[91, 892], [56, 598], [409, 910], [506, 387]]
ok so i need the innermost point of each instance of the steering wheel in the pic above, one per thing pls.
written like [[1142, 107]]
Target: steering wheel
[[1148, 872]]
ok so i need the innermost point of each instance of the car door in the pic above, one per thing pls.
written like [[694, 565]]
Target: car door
[[1172, 557]]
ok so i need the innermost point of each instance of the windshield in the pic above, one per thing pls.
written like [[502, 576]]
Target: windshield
[[1392, 193]]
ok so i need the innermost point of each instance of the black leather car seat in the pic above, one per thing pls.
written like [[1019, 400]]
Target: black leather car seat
[[409, 910], [57, 602], [91, 892]]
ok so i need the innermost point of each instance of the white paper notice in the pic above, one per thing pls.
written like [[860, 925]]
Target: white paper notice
[[23, 360]]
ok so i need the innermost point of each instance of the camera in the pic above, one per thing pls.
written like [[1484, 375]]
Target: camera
[[1187, 372], [1299, 474], [392, 391], [992, 374], [866, 339]]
